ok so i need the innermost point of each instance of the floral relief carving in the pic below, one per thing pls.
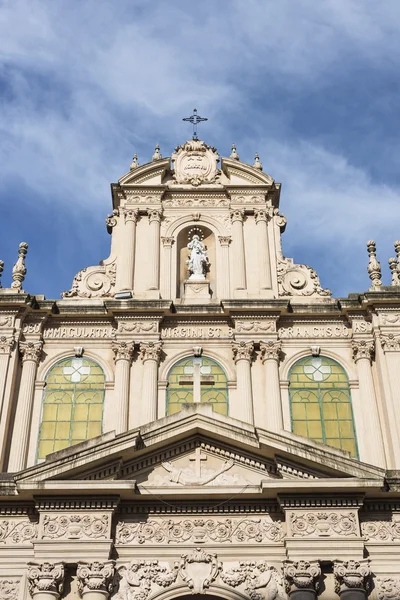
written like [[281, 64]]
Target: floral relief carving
[[390, 318], [75, 526], [384, 531], [6, 321], [199, 569], [323, 524], [130, 214], [195, 163], [203, 201], [139, 327], [351, 574], [167, 531], [255, 326], [388, 588], [95, 576], [93, 282], [45, 577], [390, 341], [112, 220], [137, 580], [17, 532], [260, 581], [154, 214], [9, 589]]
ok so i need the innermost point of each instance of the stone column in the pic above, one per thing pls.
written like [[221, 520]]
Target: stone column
[[126, 258], [390, 359], [352, 579], [123, 352], [166, 275], [270, 355], [362, 352], [223, 277], [242, 354], [301, 579], [239, 270], [45, 580], [31, 355], [150, 353], [154, 248], [95, 580], [6, 347], [264, 264]]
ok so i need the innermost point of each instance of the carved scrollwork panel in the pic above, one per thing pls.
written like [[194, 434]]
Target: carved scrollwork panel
[[75, 526], [323, 524], [17, 532], [384, 531]]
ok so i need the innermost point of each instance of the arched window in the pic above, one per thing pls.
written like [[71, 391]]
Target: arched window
[[72, 409], [320, 403], [197, 379]]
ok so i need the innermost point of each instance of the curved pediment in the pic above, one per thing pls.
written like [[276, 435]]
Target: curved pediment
[[239, 173], [151, 173]]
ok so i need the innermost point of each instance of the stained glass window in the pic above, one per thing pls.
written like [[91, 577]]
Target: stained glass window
[[72, 408], [320, 403], [197, 379]]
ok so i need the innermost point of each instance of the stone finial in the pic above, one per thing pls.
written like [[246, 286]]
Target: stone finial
[[397, 249], [394, 269], [301, 575], [257, 164], [351, 575], [134, 163], [95, 576], [374, 267], [1, 270], [234, 154], [45, 577], [157, 154], [19, 269]]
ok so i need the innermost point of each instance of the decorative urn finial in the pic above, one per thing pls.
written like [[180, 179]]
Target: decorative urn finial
[[374, 267], [157, 154], [19, 269], [134, 163], [393, 266], [257, 163], [234, 154]]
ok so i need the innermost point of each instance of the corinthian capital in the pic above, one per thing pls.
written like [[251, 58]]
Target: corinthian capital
[[154, 214], [389, 341], [95, 576], [270, 350], [167, 242], [242, 351], [130, 214], [45, 577], [6, 344], [31, 351], [351, 574], [150, 351], [237, 215], [123, 350], [261, 214], [301, 575], [363, 349]]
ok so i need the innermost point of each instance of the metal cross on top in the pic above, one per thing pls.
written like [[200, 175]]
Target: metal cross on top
[[194, 119]]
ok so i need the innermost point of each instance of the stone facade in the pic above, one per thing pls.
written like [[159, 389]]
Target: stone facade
[[197, 414]]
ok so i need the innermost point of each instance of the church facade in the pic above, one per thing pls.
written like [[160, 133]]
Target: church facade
[[197, 414]]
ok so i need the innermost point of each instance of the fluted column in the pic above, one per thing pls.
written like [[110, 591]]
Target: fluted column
[[95, 580], [239, 271], [270, 355], [223, 277], [150, 353], [45, 580], [31, 354], [166, 274], [362, 352], [242, 353], [352, 579], [301, 579], [6, 346], [154, 248], [123, 352], [264, 264], [126, 257]]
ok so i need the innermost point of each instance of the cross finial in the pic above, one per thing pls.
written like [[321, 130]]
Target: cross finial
[[194, 119], [1, 270]]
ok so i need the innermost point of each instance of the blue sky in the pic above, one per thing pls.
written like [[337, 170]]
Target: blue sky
[[313, 87]]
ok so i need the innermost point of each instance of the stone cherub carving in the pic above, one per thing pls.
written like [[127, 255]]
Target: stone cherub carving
[[198, 260]]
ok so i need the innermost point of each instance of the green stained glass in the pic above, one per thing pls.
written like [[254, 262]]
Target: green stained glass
[[203, 372], [320, 403], [72, 408]]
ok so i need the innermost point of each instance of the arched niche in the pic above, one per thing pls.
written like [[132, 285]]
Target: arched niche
[[208, 239]]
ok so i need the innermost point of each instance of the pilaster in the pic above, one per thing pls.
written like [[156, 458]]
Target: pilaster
[[126, 258]]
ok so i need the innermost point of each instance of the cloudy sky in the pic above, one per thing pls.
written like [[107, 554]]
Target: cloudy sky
[[312, 86]]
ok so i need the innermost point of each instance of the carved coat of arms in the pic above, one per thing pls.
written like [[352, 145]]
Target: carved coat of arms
[[195, 163]]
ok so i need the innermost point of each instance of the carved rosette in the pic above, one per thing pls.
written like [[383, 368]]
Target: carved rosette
[[130, 214], [199, 569], [270, 350], [237, 215], [95, 576], [45, 578], [154, 215], [137, 580], [150, 351], [9, 589], [390, 342], [6, 344], [301, 575], [260, 581], [352, 574], [31, 351], [363, 349], [388, 588], [123, 350], [242, 351]]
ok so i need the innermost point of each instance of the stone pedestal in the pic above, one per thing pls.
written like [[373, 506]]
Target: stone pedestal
[[196, 292]]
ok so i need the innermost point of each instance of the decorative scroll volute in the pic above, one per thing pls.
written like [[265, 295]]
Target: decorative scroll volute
[[95, 576], [45, 578], [352, 574], [301, 575]]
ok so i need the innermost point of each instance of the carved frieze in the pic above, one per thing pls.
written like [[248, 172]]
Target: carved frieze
[[384, 531], [138, 326], [388, 588], [95, 576], [6, 321], [9, 589], [255, 326], [207, 200], [352, 574], [75, 526], [199, 530], [199, 569], [140, 578], [17, 532], [45, 577], [260, 581], [323, 524], [389, 318]]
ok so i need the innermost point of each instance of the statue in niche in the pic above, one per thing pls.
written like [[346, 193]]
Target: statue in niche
[[198, 259]]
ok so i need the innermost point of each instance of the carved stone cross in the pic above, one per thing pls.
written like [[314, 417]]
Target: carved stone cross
[[198, 458]]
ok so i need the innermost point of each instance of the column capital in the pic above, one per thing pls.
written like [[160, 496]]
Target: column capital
[[363, 349], [270, 350], [352, 574], [150, 351], [167, 241], [6, 344], [242, 351], [154, 214], [262, 214], [45, 577], [31, 351], [237, 214], [390, 342], [95, 577], [224, 240], [301, 575], [130, 214], [123, 350]]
